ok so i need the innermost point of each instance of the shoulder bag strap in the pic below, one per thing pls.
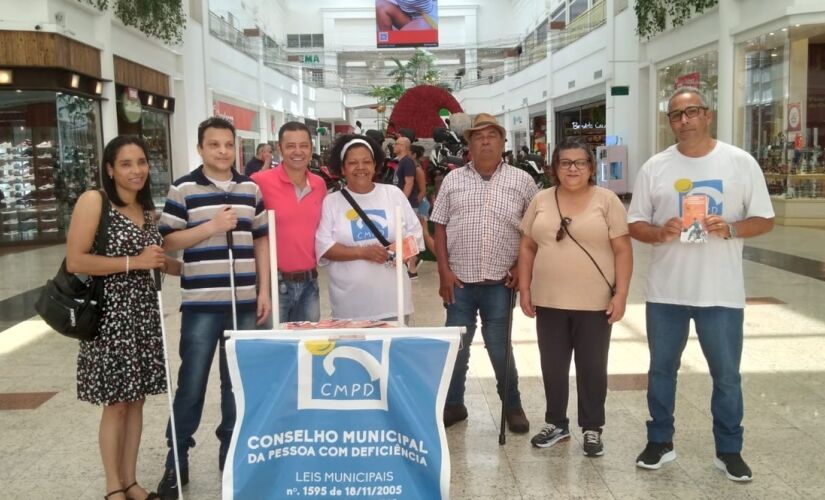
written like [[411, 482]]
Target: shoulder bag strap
[[566, 230], [364, 218], [103, 224]]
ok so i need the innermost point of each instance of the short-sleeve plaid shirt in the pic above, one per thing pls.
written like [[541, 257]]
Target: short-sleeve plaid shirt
[[482, 218]]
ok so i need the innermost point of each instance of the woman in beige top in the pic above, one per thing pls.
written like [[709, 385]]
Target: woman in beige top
[[575, 263]]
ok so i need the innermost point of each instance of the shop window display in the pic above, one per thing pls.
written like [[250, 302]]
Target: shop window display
[[49, 150], [585, 123], [155, 132], [152, 125], [781, 112], [700, 71]]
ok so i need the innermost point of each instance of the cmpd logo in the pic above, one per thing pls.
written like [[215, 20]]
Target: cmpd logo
[[343, 375], [360, 231]]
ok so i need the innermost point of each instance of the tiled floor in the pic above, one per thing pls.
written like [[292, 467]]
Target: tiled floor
[[51, 451]]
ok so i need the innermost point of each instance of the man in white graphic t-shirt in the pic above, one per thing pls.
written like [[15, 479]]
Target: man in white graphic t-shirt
[[699, 281]]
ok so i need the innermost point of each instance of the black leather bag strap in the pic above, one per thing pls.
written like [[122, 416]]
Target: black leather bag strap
[[598, 268], [99, 246], [103, 224], [364, 218]]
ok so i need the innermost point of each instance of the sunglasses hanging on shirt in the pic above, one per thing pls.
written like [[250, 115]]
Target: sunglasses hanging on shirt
[[563, 229]]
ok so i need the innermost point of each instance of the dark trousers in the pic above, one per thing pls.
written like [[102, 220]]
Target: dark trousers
[[585, 334]]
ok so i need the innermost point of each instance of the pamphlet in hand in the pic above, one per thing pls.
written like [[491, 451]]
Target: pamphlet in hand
[[409, 247], [694, 212]]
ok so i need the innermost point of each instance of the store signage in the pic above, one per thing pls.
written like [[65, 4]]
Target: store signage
[[130, 105], [794, 117], [242, 118], [620, 90], [587, 125], [688, 80]]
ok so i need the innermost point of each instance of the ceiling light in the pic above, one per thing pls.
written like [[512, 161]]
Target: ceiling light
[[150, 100], [771, 33], [75, 81], [6, 77], [166, 104], [784, 29], [796, 25], [99, 88]]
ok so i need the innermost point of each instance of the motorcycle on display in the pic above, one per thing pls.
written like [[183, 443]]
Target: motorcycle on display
[[447, 154], [333, 182], [530, 163]]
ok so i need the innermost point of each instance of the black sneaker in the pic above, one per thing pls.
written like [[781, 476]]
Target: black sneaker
[[592, 443], [454, 413], [735, 468], [168, 485], [656, 455], [549, 435]]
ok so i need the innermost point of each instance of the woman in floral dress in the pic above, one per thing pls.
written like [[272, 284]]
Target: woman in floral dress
[[124, 363]]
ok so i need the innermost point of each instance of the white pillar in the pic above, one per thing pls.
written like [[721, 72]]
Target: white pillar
[[108, 111], [728, 17]]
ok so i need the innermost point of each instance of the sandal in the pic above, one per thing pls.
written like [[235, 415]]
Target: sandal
[[151, 496], [115, 492]]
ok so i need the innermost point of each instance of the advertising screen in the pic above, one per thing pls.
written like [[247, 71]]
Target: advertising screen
[[406, 23]]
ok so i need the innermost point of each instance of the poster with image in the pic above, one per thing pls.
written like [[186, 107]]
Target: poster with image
[[406, 23]]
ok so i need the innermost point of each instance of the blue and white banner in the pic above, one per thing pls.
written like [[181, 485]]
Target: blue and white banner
[[340, 413]]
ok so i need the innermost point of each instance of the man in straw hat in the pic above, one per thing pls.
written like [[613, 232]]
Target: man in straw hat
[[476, 216]]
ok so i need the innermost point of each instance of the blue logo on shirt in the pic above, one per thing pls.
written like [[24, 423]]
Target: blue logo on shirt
[[361, 232]]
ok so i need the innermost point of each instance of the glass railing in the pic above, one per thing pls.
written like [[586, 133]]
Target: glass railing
[[586, 22]]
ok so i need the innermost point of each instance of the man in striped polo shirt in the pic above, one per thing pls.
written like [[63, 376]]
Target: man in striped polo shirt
[[202, 208]]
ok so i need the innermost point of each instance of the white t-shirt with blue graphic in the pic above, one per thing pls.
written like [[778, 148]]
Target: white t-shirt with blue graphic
[[709, 274], [359, 289]]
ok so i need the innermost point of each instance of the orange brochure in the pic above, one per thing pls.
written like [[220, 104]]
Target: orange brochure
[[694, 212]]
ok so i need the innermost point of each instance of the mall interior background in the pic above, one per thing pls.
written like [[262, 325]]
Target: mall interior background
[[72, 77]]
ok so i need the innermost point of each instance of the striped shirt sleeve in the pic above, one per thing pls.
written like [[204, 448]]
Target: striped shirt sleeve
[[260, 226], [175, 216]]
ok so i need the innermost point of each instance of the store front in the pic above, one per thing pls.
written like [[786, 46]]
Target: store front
[[245, 121], [585, 122], [50, 136], [144, 109], [538, 135], [780, 117], [700, 71]]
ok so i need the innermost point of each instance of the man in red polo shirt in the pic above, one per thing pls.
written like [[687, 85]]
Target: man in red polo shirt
[[296, 195]]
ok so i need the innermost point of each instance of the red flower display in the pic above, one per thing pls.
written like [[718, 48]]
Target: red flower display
[[418, 110]]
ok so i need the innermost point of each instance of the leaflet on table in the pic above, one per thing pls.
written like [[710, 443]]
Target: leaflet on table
[[356, 416], [694, 212]]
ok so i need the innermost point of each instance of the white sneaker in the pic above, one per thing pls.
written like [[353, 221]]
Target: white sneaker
[[45, 144]]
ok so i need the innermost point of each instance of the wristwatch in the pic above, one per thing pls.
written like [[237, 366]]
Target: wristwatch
[[731, 232]]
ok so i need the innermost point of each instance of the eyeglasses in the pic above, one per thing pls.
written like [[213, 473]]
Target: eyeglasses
[[690, 112], [568, 164], [563, 228]]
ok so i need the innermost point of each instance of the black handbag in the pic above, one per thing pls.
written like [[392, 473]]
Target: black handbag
[[71, 305]]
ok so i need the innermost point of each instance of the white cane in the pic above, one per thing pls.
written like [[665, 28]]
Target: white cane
[[168, 383], [273, 270], [229, 245], [399, 266]]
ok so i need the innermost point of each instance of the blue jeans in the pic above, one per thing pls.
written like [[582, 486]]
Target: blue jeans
[[720, 335], [200, 334], [493, 304], [299, 301]]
